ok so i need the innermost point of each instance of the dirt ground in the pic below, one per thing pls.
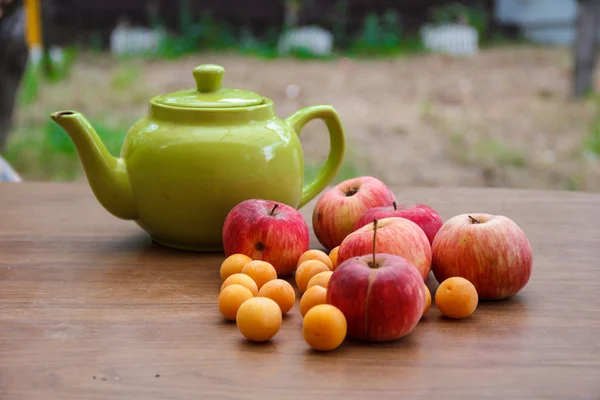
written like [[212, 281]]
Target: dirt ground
[[502, 118]]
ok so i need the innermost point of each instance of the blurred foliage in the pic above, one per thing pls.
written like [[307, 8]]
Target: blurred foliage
[[264, 47], [474, 16], [47, 152], [340, 21], [206, 33], [30, 86], [383, 36], [379, 36], [591, 143], [55, 71], [348, 169], [125, 76], [59, 142]]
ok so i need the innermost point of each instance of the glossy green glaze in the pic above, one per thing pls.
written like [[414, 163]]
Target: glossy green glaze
[[197, 154]]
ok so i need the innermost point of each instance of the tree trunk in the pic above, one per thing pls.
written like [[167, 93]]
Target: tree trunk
[[586, 45], [13, 60]]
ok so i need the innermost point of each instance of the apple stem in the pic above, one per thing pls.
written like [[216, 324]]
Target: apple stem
[[474, 220], [395, 206], [274, 208], [374, 241]]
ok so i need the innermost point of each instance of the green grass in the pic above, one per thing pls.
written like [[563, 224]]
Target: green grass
[[30, 86], [348, 169], [35, 76], [500, 153], [591, 142], [486, 151], [125, 76], [46, 152], [351, 167]]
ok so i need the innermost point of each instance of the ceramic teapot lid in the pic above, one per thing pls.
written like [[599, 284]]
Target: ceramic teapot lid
[[209, 93]]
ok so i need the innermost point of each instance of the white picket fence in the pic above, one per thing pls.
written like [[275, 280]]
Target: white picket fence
[[134, 40], [452, 39]]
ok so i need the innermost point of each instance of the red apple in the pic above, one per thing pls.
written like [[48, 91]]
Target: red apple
[[266, 230], [490, 251], [338, 209], [395, 235], [381, 295], [426, 217]]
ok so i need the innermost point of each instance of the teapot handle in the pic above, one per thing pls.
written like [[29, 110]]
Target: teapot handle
[[337, 144]]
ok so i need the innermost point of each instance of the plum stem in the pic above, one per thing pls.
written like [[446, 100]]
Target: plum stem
[[274, 208], [395, 206], [374, 241], [474, 220]]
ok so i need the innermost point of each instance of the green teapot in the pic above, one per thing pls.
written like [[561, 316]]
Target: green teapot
[[199, 152]]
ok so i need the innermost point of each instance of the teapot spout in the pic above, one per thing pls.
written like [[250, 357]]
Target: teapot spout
[[106, 174]]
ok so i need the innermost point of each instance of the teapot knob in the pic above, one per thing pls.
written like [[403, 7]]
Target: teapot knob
[[208, 77]]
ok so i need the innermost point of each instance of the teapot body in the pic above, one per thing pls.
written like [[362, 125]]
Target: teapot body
[[198, 153], [187, 172]]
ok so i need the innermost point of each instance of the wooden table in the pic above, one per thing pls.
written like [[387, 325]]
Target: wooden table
[[91, 309]]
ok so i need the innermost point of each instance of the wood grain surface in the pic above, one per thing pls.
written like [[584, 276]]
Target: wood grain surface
[[91, 309]]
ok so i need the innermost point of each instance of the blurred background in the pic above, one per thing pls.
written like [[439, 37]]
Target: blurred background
[[431, 92]]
